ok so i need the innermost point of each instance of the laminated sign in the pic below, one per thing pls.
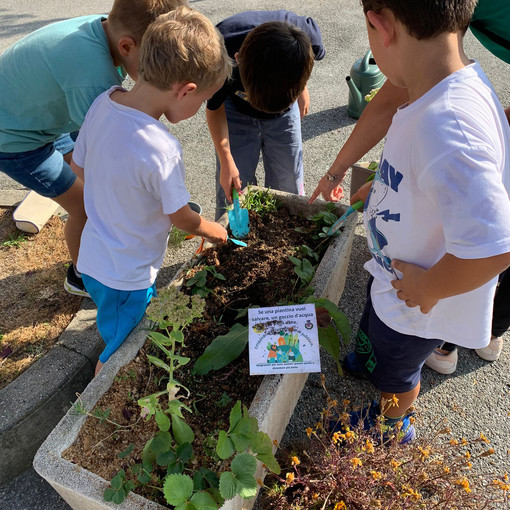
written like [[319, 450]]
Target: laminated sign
[[283, 340]]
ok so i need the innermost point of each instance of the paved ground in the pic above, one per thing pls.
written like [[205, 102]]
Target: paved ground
[[476, 398]]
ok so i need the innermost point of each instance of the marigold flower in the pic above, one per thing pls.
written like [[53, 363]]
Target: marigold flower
[[467, 455], [500, 485], [410, 493], [483, 438], [309, 431], [447, 470], [454, 442], [464, 441], [295, 461], [356, 462], [315, 496], [337, 436], [394, 401], [469, 465], [506, 477], [340, 506], [350, 436], [376, 475], [346, 402], [289, 478], [412, 419]]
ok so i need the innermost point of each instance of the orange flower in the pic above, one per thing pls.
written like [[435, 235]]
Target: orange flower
[[340, 506], [484, 439], [464, 483], [369, 447], [355, 462], [376, 475], [309, 431], [295, 461], [289, 478]]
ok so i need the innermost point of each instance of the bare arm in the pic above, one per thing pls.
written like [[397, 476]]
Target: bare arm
[[370, 129], [192, 223], [304, 102], [229, 174], [450, 276], [78, 170]]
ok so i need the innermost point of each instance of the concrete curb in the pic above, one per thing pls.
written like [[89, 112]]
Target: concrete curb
[[34, 403]]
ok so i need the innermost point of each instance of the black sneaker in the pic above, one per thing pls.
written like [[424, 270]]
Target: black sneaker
[[74, 284]]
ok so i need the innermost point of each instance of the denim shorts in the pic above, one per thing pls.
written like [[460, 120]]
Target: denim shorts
[[118, 312], [42, 170], [392, 361]]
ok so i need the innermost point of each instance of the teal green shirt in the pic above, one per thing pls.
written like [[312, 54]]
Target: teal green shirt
[[49, 79], [491, 26]]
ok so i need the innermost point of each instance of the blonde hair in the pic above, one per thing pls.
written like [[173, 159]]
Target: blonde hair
[[183, 46], [134, 16]]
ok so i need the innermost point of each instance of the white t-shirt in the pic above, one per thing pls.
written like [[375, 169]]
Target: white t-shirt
[[134, 178], [443, 187]]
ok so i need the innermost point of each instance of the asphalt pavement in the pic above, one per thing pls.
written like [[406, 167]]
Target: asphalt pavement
[[475, 398]]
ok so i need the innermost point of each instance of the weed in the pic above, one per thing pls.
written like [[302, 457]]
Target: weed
[[15, 240], [260, 201], [198, 282]]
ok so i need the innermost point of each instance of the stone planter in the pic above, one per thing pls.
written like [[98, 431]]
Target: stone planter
[[273, 404], [359, 175]]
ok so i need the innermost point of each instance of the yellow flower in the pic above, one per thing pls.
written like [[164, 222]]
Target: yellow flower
[[410, 493], [355, 462], [275, 442], [446, 470], [315, 496], [260, 482], [369, 447], [490, 451], [464, 483], [394, 401], [340, 506], [350, 436], [412, 419], [454, 442], [376, 475], [346, 402], [295, 461], [506, 477], [484, 439], [309, 431], [425, 452], [395, 464], [500, 485], [467, 455], [469, 465], [464, 441], [289, 478]]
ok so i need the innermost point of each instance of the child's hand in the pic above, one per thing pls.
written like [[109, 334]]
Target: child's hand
[[362, 193], [304, 102], [409, 287], [229, 177], [331, 191], [214, 233]]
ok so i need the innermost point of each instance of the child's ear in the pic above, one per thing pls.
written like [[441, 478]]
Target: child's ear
[[126, 45], [185, 89], [384, 23]]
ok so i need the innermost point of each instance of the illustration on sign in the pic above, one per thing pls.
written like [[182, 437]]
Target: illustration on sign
[[283, 339]]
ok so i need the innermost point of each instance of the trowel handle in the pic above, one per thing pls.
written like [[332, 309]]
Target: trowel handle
[[235, 194]]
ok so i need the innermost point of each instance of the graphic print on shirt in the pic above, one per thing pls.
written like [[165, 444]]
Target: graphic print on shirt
[[386, 181]]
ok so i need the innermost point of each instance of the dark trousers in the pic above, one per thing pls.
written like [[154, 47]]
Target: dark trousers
[[501, 311]]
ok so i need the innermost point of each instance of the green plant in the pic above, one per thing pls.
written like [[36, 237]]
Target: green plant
[[350, 469], [15, 240], [198, 282], [260, 201], [176, 237], [167, 457], [224, 400]]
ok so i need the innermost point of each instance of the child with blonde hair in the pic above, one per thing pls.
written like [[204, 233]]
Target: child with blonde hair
[[133, 173]]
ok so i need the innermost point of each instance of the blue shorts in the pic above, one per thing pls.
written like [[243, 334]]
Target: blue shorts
[[44, 169], [281, 145], [118, 312], [392, 361]]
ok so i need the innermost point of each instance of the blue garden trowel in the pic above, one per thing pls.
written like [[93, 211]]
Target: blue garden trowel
[[340, 221], [238, 218]]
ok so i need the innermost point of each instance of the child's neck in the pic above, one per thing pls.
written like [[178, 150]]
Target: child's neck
[[427, 62], [142, 97]]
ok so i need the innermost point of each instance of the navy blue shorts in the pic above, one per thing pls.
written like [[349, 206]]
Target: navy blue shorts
[[392, 361]]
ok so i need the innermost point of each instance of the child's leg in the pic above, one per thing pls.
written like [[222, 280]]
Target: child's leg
[[405, 400], [282, 150], [244, 140], [118, 312]]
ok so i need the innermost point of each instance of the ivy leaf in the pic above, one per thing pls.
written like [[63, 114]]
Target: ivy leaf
[[177, 489], [224, 446], [222, 350], [181, 430]]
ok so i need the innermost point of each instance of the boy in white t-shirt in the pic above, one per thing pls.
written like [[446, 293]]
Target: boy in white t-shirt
[[133, 171], [437, 215]]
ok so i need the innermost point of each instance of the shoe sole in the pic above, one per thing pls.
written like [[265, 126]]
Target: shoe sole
[[75, 291], [488, 357], [443, 371]]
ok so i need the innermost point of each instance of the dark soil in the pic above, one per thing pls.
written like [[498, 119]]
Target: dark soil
[[259, 275]]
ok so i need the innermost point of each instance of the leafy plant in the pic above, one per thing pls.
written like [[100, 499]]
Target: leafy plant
[[260, 201], [15, 240], [170, 450], [198, 282]]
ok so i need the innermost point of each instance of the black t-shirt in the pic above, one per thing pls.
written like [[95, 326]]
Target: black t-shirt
[[234, 30]]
